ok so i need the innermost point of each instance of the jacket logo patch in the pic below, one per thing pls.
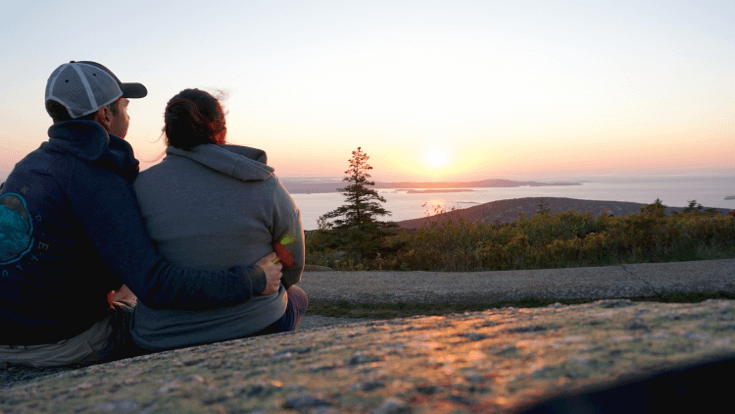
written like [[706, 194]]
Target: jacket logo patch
[[16, 228]]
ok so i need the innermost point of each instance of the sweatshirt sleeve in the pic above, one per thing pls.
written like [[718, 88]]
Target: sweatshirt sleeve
[[288, 228], [107, 209]]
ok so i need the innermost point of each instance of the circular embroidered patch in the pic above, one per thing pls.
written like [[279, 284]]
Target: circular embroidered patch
[[16, 228]]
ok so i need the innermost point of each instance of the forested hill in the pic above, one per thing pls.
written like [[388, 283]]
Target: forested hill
[[509, 210]]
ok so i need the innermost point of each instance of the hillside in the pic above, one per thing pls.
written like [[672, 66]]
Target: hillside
[[509, 210]]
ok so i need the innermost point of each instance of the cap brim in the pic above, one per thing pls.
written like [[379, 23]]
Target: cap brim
[[133, 90]]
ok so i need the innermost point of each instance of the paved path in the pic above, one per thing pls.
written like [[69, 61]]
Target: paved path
[[630, 280]]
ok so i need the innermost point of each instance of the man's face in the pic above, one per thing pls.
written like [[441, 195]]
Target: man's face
[[121, 121]]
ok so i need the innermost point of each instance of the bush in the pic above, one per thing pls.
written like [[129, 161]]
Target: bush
[[568, 239]]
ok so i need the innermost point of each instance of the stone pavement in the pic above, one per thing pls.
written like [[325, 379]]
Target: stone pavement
[[630, 280]]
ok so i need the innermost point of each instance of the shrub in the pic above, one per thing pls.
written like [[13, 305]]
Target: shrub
[[568, 239]]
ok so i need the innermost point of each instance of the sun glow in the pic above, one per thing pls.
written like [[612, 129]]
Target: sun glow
[[436, 158]]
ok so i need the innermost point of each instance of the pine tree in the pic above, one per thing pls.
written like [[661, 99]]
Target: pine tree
[[656, 209], [355, 226], [543, 208], [697, 209]]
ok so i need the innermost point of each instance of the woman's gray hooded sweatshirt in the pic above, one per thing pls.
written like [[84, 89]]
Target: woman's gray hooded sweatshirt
[[211, 208]]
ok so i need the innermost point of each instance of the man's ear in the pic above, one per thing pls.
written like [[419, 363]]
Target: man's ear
[[104, 117]]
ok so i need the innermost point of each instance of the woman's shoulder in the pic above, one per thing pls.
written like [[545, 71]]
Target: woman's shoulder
[[170, 169]]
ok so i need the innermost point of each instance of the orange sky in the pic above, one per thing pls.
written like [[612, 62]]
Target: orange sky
[[526, 89]]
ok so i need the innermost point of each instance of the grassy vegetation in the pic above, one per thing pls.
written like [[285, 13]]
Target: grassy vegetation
[[404, 310], [546, 240]]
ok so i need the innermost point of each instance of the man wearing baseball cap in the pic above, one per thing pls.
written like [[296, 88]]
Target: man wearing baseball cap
[[71, 234]]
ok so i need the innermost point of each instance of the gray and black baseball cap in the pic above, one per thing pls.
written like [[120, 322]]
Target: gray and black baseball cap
[[84, 87]]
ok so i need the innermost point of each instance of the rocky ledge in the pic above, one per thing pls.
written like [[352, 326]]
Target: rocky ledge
[[492, 361]]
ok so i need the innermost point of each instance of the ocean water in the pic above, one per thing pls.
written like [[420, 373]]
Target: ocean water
[[673, 192]]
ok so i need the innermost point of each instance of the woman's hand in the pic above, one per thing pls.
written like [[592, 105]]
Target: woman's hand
[[272, 273]]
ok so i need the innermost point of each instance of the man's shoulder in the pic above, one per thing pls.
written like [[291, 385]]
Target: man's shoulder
[[41, 163]]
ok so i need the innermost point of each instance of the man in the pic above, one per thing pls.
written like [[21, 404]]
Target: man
[[71, 232]]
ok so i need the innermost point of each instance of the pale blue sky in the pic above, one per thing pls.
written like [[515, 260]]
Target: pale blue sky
[[504, 89]]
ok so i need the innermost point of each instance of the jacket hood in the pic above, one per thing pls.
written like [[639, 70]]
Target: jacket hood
[[243, 163], [88, 141]]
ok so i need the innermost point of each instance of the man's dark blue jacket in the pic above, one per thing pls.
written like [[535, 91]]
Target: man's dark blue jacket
[[71, 231]]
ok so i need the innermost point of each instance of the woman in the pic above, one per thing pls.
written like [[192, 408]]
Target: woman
[[210, 205]]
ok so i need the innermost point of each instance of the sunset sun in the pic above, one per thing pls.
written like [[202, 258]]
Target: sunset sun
[[436, 158]]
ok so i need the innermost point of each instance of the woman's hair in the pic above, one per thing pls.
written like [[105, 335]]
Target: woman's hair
[[194, 117]]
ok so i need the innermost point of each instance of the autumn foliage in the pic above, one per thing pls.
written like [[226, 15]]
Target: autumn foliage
[[568, 239]]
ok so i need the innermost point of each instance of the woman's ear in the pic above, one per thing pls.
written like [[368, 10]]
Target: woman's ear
[[104, 117]]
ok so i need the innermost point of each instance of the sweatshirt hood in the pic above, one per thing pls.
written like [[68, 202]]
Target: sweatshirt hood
[[243, 163], [90, 142]]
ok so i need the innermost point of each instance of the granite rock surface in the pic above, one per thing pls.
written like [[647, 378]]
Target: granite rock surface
[[493, 361]]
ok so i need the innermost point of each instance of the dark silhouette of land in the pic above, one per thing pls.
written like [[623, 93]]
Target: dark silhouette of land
[[506, 211]]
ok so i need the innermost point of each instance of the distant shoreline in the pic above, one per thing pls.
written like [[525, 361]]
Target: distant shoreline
[[438, 190], [312, 187]]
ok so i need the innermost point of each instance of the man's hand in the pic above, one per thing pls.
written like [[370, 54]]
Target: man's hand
[[272, 273], [125, 295]]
